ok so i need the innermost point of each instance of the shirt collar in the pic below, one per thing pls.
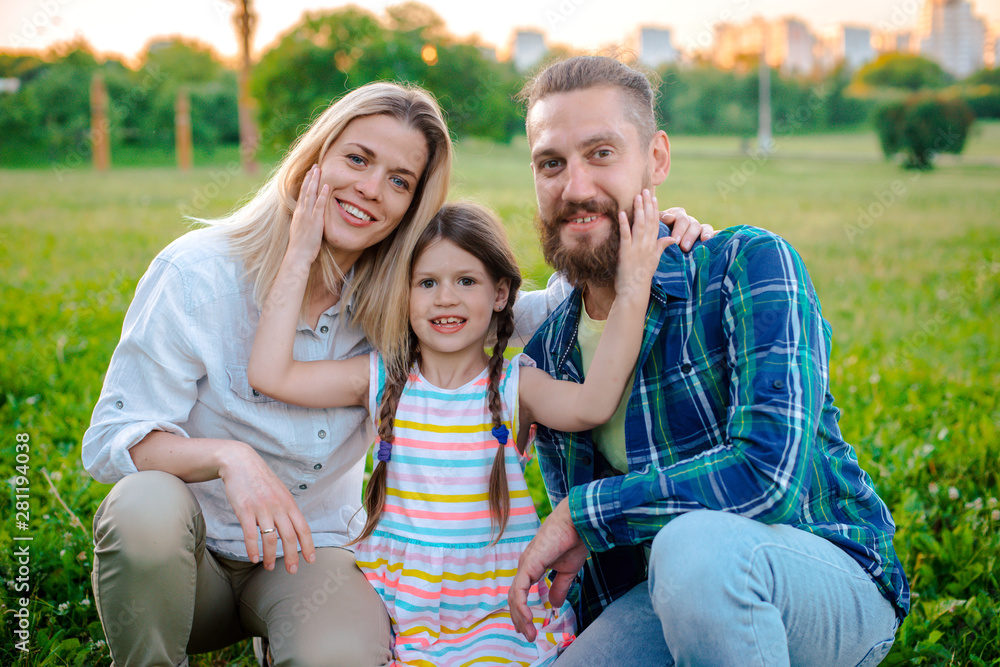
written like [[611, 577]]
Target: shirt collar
[[342, 306]]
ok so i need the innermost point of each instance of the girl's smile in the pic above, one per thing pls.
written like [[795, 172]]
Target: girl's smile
[[448, 324], [452, 300]]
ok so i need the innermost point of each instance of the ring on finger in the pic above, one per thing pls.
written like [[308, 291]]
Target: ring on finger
[[265, 532]]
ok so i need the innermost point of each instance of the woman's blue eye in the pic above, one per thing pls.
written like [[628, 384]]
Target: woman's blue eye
[[400, 183], [356, 159]]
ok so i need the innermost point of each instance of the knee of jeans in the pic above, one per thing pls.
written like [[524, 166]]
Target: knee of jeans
[[690, 555], [693, 539], [144, 515]]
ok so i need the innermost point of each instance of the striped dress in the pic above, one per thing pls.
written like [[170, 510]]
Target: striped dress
[[430, 558]]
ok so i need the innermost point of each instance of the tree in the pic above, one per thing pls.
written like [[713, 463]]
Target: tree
[[985, 77], [144, 100], [416, 17], [245, 20], [308, 69], [23, 67], [923, 125], [48, 119], [839, 108], [187, 60], [327, 54], [982, 92], [900, 70], [60, 99]]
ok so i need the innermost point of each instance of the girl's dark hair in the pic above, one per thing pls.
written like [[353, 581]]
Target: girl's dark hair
[[478, 231]]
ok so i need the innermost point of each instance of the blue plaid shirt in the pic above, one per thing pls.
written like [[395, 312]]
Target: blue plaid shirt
[[730, 410]]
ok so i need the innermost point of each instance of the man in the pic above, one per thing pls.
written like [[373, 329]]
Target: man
[[724, 469]]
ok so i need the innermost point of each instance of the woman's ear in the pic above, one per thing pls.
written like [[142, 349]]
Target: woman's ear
[[503, 293]]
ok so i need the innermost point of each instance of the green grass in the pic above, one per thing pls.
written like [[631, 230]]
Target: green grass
[[912, 293]]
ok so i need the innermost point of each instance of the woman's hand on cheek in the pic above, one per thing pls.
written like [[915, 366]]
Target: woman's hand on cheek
[[265, 509], [306, 232]]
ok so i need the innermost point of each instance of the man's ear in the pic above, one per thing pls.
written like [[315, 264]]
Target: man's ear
[[503, 293], [659, 154]]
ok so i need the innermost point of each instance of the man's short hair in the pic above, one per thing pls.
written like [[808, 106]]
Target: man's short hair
[[582, 72]]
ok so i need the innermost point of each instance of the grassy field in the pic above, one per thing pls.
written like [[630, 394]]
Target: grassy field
[[907, 266]]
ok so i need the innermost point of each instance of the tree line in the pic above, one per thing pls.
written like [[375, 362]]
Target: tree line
[[328, 53]]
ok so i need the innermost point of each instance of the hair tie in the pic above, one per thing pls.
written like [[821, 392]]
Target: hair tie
[[501, 433], [384, 450]]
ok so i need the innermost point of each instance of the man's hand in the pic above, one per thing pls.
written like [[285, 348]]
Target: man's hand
[[558, 547], [685, 229]]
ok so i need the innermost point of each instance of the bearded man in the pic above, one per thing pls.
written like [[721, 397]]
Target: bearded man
[[719, 518]]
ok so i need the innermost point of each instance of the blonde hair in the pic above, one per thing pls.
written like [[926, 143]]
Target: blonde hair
[[259, 229], [478, 231]]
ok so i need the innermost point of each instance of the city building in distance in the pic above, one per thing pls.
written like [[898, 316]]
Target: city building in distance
[[655, 47], [951, 35], [945, 31], [528, 49]]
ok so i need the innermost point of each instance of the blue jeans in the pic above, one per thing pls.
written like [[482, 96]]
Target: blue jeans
[[727, 590]]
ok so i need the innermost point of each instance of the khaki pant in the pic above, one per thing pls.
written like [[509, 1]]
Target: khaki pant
[[161, 594]]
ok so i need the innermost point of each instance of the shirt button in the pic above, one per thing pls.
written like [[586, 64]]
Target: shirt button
[[324, 329], [303, 486], [321, 434], [778, 384], [256, 393], [586, 460], [119, 405], [317, 466], [686, 368]]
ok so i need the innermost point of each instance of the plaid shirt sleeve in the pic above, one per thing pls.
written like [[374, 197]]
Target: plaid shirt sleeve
[[777, 356]]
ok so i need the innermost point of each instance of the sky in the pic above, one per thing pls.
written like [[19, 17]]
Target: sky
[[124, 27]]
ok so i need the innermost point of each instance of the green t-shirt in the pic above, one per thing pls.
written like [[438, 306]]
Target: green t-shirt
[[609, 438]]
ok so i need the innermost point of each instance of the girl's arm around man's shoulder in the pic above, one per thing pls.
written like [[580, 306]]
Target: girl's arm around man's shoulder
[[569, 406]]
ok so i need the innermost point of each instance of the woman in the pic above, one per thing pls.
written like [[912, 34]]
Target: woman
[[209, 473], [176, 400]]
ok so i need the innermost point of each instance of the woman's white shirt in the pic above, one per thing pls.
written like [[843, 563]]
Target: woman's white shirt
[[181, 367]]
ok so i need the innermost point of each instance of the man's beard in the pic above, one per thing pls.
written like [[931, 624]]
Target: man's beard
[[586, 263]]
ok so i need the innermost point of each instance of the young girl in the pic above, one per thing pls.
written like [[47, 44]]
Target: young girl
[[448, 509]]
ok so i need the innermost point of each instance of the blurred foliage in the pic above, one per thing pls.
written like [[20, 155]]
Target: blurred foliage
[[983, 100], [706, 100], [923, 125], [903, 70], [329, 53], [47, 121], [332, 51], [982, 92]]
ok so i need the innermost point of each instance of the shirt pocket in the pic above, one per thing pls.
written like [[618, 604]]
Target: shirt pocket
[[248, 406], [695, 395]]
